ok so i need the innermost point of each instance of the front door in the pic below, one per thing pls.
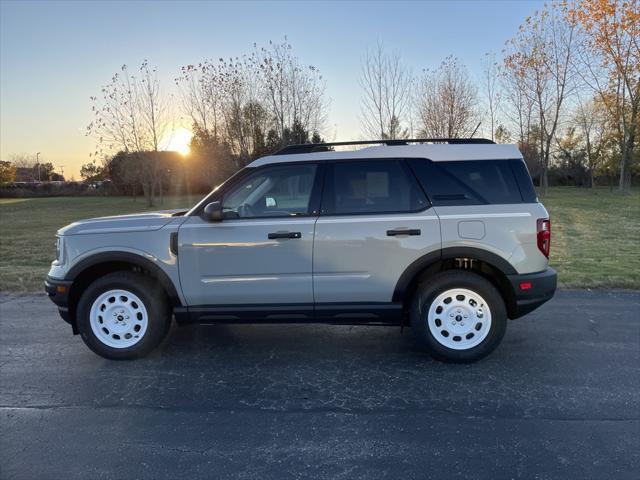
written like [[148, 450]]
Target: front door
[[261, 252]]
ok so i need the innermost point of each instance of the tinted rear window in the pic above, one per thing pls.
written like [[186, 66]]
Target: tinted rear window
[[469, 182], [378, 186]]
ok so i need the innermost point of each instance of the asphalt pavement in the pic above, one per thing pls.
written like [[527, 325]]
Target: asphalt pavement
[[560, 398]]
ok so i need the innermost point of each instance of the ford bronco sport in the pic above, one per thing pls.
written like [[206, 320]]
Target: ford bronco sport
[[446, 236]]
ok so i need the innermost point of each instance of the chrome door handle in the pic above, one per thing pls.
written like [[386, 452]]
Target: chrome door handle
[[403, 231], [275, 235]]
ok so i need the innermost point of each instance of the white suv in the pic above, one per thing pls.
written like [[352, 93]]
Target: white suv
[[447, 236]]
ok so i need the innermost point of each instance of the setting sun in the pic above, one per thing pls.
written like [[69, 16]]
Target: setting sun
[[179, 141]]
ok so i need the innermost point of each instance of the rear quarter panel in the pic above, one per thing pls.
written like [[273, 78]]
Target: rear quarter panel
[[509, 231]]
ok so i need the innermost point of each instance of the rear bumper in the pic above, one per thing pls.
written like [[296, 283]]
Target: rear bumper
[[531, 290], [58, 291]]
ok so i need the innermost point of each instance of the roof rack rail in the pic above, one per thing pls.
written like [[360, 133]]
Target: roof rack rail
[[325, 147]]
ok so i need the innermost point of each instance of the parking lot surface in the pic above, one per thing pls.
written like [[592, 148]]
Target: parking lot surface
[[560, 398]]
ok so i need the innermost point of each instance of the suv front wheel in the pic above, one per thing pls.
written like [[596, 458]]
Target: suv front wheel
[[458, 316], [123, 315]]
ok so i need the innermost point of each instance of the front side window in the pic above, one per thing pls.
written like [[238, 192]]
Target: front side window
[[280, 191], [371, 186]]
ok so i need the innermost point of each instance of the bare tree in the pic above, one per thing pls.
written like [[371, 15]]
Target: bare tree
[[540, 55], [200, 96], [294, 93], [238, 86], [592, 122], [490, 83], [23, 160], [132, 115], [447, 102], [386, 94], [242, 102], [517, 105], [215, 94]]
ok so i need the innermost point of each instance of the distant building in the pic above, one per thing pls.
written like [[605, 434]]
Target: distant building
[[30, 174], [26, 174]]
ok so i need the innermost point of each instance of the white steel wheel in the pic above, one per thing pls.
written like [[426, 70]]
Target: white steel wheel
[[459, 319], [118, 318]]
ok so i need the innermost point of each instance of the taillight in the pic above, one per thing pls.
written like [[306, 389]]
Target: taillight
[[544, 235]]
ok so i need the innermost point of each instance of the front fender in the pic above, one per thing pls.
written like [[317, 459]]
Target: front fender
[[166, 270]]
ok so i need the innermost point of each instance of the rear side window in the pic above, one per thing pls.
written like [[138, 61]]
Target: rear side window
[[477, 182], [371, 186], [523, 178]]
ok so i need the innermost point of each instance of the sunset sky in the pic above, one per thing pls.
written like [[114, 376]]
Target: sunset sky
[[55, 55]]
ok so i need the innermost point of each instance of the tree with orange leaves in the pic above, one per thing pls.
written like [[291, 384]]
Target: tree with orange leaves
[[609, 61]]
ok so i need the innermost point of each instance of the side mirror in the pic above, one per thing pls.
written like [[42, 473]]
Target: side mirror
[[213, 212]]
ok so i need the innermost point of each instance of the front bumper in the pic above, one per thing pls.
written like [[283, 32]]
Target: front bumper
[[58, 292], [531, 290]]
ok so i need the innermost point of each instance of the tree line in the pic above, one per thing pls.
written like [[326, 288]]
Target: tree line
[[239, 108], [565, 89]]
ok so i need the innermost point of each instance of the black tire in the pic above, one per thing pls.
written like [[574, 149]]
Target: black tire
[[152, 296], [428, 291]]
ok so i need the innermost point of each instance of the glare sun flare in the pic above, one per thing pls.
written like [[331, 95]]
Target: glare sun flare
[[179, 141]]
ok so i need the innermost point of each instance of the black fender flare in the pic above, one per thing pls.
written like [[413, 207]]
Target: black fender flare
[[415, 268], [130, 258]]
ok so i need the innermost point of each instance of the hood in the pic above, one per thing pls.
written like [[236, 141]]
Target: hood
[[137, 222]]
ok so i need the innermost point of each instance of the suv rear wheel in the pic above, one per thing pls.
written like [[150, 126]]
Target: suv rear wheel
[[459, 316], [123, 315]]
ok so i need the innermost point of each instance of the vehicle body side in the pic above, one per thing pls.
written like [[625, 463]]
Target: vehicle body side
[[342, 268]]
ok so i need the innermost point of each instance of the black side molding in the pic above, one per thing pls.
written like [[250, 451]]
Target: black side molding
[[357, 313], [532, 290], [131, 258], [422, 263]]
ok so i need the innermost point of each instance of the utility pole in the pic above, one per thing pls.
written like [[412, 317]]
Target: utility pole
[[62, 171], [38, 164]]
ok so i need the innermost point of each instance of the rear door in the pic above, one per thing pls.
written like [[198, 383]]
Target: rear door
[[375, 221]]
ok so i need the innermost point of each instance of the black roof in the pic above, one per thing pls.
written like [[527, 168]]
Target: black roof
[[325, 147]]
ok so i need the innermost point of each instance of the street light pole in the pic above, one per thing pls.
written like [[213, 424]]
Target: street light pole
[[38, 164]]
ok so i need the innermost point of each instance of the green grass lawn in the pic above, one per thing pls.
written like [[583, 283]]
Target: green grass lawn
[[595, 237], [595, 234], [28, 227]]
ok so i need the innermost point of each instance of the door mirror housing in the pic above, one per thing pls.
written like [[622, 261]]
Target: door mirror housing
[[213, 212]]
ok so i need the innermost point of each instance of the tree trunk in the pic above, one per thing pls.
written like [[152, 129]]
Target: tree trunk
[[544, 166], [627, 154], [544, 179], [149, 192], [622, 182]]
